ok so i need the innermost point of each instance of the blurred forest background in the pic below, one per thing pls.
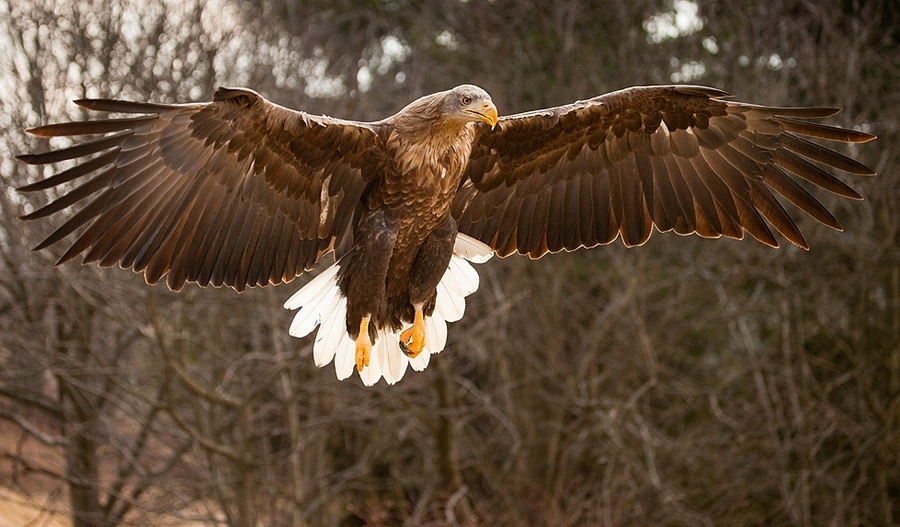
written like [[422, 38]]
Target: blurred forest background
[[686, 382]]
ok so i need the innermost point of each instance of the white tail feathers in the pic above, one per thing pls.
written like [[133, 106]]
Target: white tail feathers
[[472, 250], [321, 304]]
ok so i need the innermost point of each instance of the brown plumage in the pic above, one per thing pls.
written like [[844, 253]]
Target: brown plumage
[[675, 157], [242, 192]]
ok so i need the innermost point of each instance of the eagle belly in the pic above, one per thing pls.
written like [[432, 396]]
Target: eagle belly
[[406, 246], [429, 173], [322, 304]]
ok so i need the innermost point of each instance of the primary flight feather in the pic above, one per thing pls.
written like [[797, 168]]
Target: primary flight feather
[[242, 192]]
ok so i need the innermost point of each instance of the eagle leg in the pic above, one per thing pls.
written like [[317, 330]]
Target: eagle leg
[[428, 270], [412, 340], [363, 345]]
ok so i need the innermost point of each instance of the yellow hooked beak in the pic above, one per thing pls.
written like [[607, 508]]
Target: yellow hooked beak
[[487, 113]]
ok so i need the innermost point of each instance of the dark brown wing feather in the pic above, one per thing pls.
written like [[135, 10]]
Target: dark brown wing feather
[[238, 191], [677, 158]]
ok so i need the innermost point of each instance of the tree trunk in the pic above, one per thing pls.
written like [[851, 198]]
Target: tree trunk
[[82, 471]]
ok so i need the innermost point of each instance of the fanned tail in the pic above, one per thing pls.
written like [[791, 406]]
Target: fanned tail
[[322, 305]]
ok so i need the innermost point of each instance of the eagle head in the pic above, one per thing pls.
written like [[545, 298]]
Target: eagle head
[[469, 103]]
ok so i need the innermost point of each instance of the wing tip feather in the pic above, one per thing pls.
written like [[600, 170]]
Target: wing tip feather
[[39, 131]]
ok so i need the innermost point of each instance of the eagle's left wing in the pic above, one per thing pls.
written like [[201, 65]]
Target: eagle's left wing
[[676, 158]]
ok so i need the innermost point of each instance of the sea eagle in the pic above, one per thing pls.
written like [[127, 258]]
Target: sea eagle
[[242, 192]]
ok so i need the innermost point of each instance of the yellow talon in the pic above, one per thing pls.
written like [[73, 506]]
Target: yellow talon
[[363, 345], [412, 341]]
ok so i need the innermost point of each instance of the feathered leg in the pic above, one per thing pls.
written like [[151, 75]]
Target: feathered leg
[[362, 280], [430, 265]]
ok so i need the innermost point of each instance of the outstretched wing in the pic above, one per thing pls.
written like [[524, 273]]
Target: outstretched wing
[[679, 158], [238, 191]]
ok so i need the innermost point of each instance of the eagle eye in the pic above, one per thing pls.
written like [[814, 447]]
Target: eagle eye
[[466, 100]]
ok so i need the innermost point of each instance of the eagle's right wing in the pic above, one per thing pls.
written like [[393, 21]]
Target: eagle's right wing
[[238, 191]]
